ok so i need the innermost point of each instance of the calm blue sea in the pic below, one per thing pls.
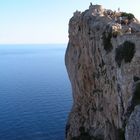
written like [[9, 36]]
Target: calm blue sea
[[35, 92]]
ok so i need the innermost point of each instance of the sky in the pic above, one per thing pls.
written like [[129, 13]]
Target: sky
[[46, 21]]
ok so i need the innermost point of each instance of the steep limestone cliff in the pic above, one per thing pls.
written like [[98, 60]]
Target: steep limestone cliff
[[103, 64]]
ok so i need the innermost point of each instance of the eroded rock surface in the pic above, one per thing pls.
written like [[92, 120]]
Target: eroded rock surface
[[103, 64]]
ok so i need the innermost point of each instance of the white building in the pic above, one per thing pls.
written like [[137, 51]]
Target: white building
[[96, 10]]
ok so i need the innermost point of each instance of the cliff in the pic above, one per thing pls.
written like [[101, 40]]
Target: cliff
[[103, 64]]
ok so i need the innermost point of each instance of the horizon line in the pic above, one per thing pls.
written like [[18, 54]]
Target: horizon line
[[33, 43]]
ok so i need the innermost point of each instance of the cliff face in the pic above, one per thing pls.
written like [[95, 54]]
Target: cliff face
[[103, 64]]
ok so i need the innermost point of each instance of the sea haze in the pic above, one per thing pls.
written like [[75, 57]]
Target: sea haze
[[35, 92]]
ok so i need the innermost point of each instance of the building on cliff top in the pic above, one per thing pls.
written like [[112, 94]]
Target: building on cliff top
[[96, 10]]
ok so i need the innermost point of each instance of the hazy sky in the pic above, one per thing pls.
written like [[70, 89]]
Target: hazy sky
[[46, 21]]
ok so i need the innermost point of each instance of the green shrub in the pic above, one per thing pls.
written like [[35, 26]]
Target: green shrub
[[125, 52], [128, 51], [121, 134], [107, 41], [83, 135], [136, 98], [119, 55], [129, 16]]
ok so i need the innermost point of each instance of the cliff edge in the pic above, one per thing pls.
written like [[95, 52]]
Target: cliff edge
[[103, 64]]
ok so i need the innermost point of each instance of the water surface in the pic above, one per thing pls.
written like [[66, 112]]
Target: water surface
[[35, 93]]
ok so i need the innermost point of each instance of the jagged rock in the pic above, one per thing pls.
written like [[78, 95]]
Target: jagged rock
[[103, 70]]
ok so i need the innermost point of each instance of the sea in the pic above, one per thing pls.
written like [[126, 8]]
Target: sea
[[35, 92]]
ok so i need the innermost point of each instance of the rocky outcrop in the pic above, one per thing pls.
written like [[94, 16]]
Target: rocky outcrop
[[103, 64]]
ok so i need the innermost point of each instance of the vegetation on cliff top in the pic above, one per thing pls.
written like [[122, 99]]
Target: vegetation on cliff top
[[129, 16]]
